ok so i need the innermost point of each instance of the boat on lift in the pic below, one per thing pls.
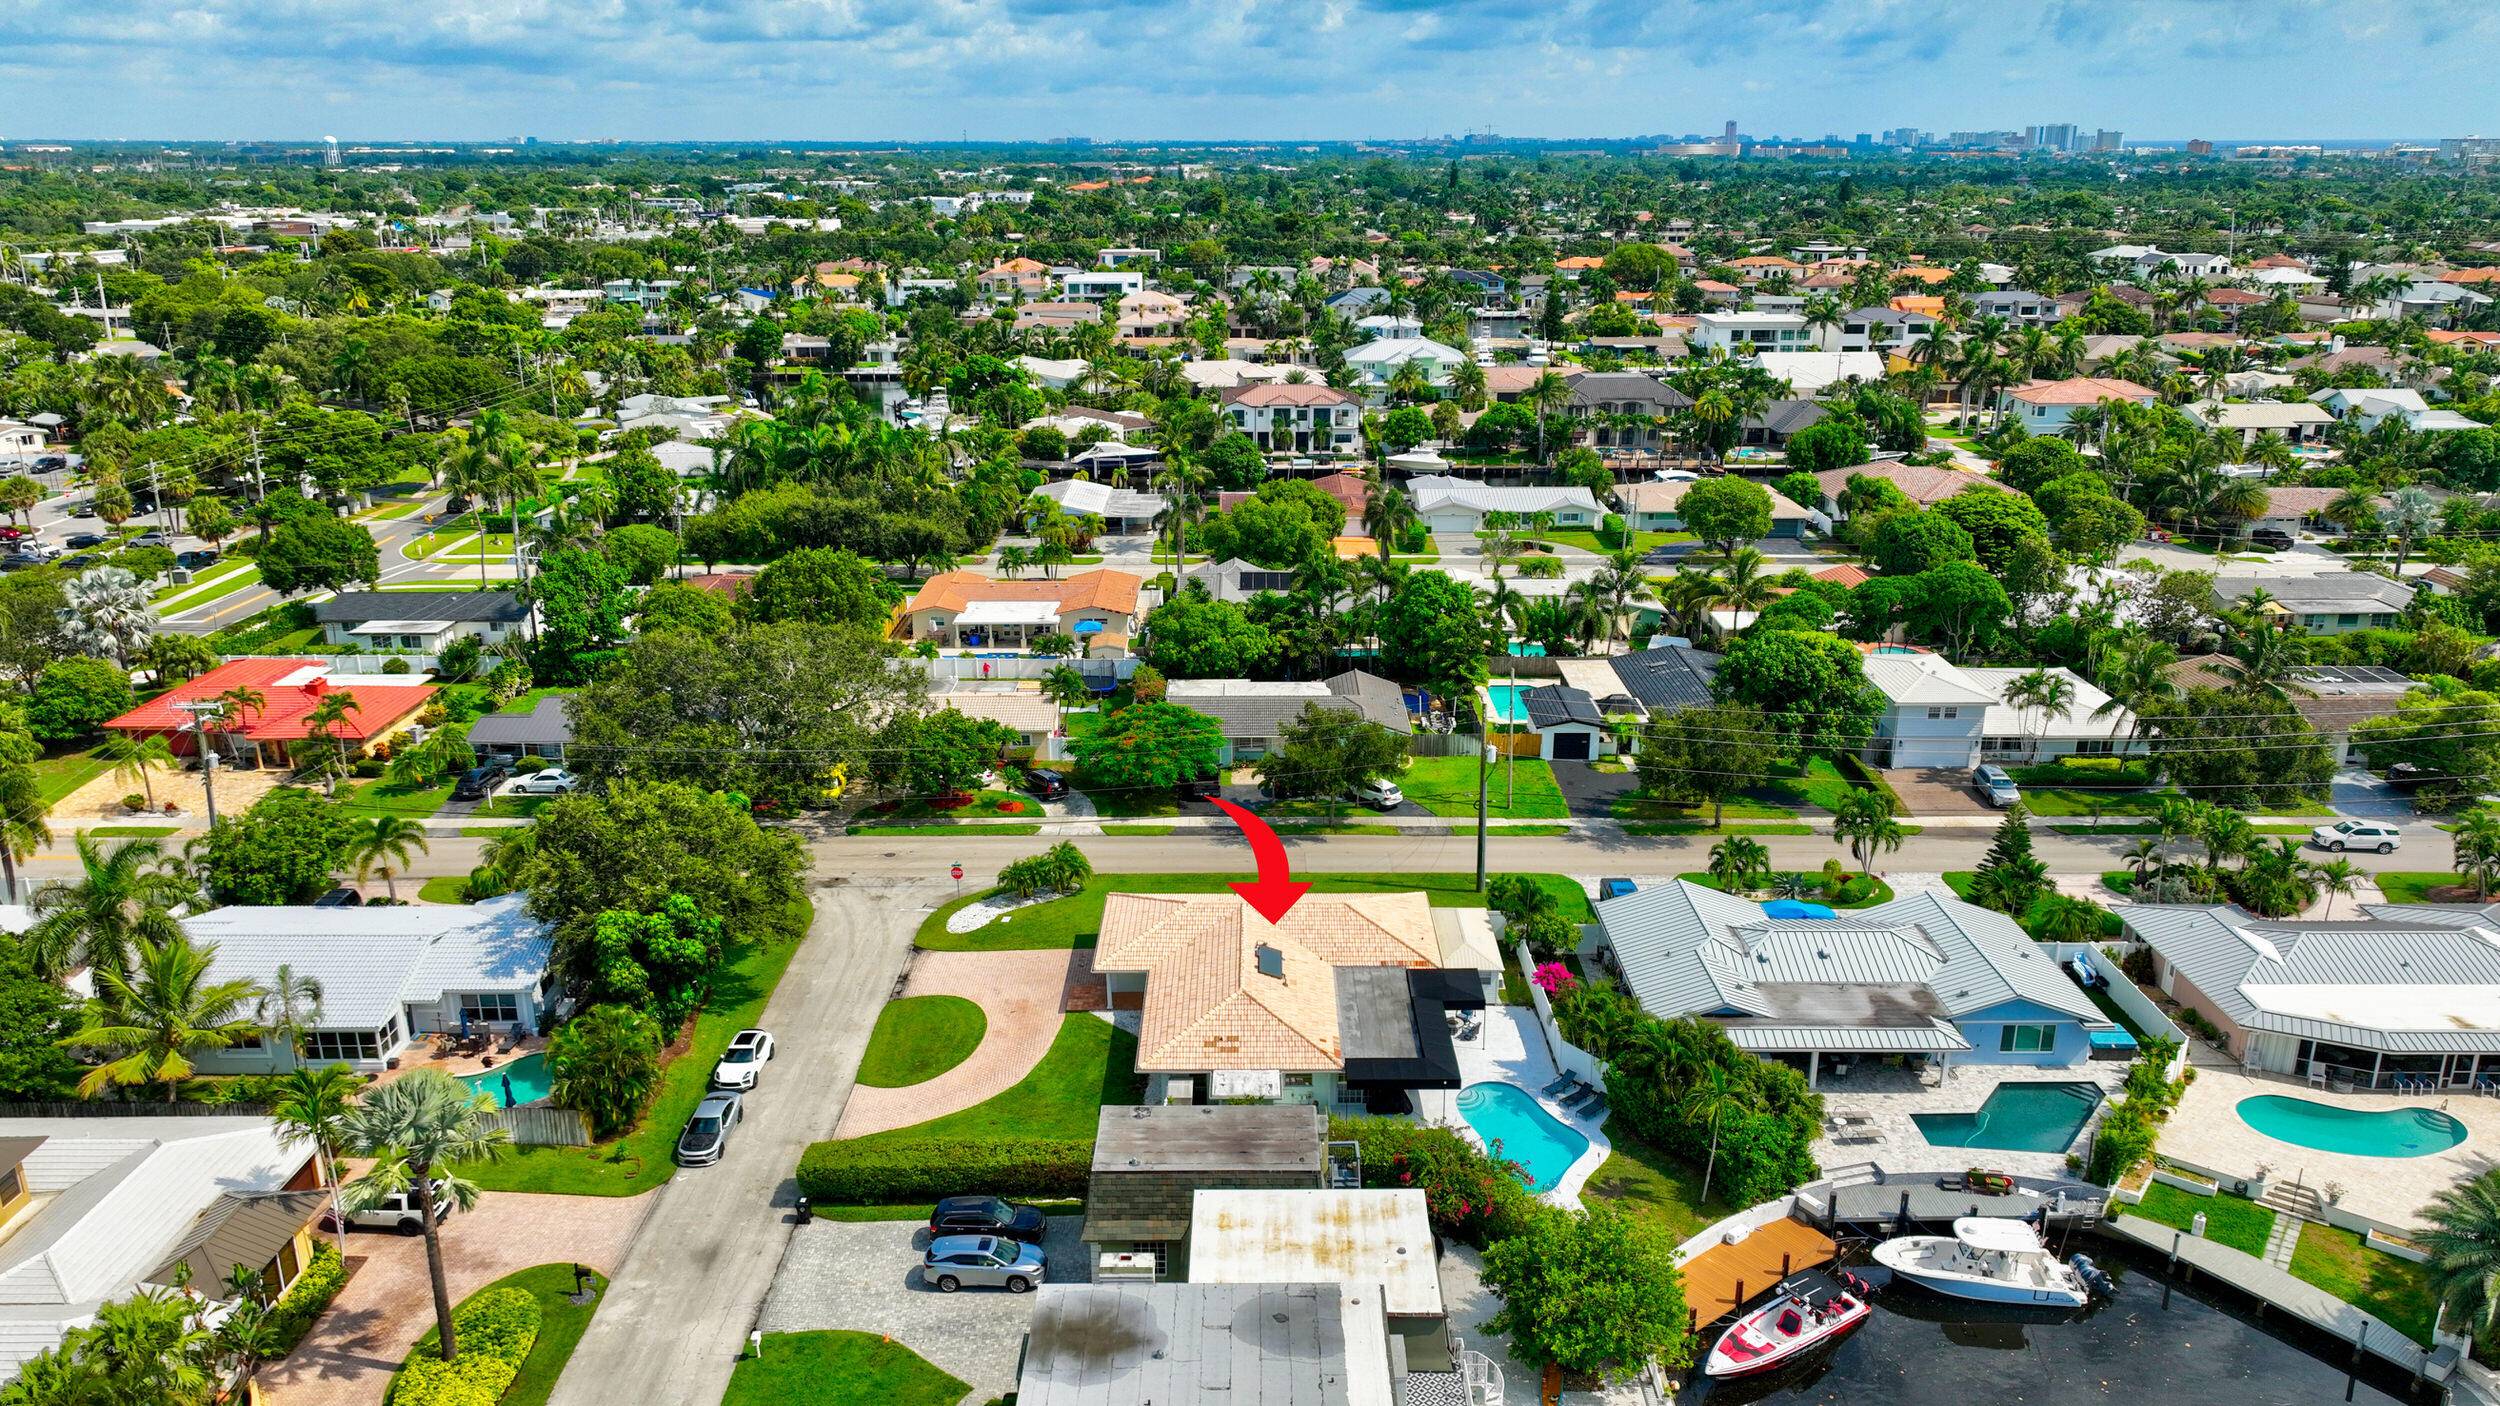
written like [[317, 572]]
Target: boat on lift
[[1991, 1261], [1807, 1311]]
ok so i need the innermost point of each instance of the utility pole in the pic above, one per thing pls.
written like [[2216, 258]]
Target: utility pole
[[200, 712], [1484, 780]]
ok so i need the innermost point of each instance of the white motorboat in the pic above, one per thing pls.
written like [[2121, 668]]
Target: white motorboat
[[1993, 1261]]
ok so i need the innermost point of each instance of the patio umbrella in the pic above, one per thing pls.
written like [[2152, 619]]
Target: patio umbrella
[[508, 1100], [464, 1027]]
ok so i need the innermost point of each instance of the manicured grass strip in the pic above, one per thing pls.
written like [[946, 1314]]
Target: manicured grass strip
[[836, 1368], [920, 1037], [1588, 541], [61, 775], [1859, 891], [1324, 828], [1642, 1181], [2031, 918], [2235, 1221], [561, 1323], [640, 1160], [2398, 1292], [133, 832], [1515, 790], [445, 888], [1699, 827], [1141, 830], [391, 798], [510, 807], [1513, 829], [999, 828], [1090, 1064], [1073, 921], [2402, 886], [2147, 828]]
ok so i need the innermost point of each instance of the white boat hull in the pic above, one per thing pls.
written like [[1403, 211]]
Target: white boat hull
[[1939, 1263]]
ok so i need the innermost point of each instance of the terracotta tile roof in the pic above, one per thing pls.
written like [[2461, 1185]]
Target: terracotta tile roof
[[1290, 393], [2481, 275], [1208, 1006], [1930, 277], [1923, 484], [1114, 591], [2234, 297], [293, 688], [1919, 302], [2081, 390], [1764, 261], [1580, 261], [1844, 574], [1712, 285]]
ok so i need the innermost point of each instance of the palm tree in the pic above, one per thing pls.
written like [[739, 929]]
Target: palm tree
[[2478, 848], [159, 1016], [312, 1106], [289, 1007], [2463, 1236], [1735, 860], [1863, 821], [2048, 692], [1713, 1094], [119, 900], [2264, 663], [417, 1128], [235, 708], [1744, 584], [2411, 514], [1546, 394], [321, 728], [384, 845], [2137, 679], [2143, 856], [135, 758], [23, 830], [2062, 917], [2336, 876]]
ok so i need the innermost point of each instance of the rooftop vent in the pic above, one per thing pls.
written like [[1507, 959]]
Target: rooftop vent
[[1271, 962]]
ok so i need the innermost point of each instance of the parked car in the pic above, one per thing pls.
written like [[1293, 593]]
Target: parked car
[[1994, 786], [2357, 834], [479, 782], [983, 1262], [400, 1211], [743, 1062], [153, 537], [1380, 795], [706, 1135], [2409, 776], [1615, 888], [986, 1215], [554, 781], [195, 561], [84, 507], [79, 540], [19, 561], [1045, 784], [2273, 539], [1201, 789], [51, 464]]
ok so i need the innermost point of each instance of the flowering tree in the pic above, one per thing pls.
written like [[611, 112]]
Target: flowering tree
[[1552, 978]]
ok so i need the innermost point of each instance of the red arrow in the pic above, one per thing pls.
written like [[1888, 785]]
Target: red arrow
[[1274, 895]]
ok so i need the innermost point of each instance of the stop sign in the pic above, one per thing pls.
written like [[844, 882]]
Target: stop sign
[[956, 872]]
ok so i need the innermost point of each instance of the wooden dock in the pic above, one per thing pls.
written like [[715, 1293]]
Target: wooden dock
[[1714, 1278], [2280, 1291]]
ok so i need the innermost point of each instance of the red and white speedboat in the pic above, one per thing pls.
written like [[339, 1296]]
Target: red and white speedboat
[[1806, 1312]]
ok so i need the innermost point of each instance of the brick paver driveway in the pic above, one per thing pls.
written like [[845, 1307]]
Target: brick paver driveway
[[348, 1357], [1935, 791], [1021, 994]]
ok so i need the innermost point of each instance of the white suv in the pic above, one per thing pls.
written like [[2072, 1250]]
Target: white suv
[[2357, 834], [1380, 795]]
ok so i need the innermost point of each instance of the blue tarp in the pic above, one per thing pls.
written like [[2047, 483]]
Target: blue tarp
[[1791, 908]]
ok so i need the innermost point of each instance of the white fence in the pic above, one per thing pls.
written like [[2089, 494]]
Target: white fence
[[543, 1125], [1568, 1057], [1099, 672], [355, 663], [2123, 992]]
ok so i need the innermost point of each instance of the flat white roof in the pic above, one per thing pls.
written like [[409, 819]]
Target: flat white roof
[[1009, 612], [1315, 1236], [2442, 1008], [401, 627]]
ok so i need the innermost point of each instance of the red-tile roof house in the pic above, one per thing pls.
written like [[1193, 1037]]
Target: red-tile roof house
[[291, 689]]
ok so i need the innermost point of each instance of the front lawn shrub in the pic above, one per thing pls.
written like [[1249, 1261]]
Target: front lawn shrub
[[493, 1331], [293, 1315], [873, 1171]]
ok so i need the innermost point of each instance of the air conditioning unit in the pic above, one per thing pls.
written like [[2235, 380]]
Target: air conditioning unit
[[1125, 1266]]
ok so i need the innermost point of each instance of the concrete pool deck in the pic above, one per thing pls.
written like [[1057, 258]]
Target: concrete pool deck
[[2206, 1130], [1509, 1049], [1888, 1098]]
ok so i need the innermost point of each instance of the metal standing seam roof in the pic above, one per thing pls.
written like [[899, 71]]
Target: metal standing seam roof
[[2234, 958], [549, 723], [1433, 492], [2327, 593], [1826, 1039], [365, 606], [1251, 709], [1102, 500]]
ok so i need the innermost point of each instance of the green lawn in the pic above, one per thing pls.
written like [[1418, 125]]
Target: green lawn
[[1860, 891], [1515, 790], [561, 1323], [834, 1368], [920, 1037], [2235, 1221], [445, 888], [983, 805], [1703, 827], [61, 774], [1091, 1064], [2148, 828], [1587, 540], [2397, 1291], [134, 832], [1959, 880], [640, 1160], [1145, 830], [1073, 921], [945, 828], [1642, 1181], [2402, 886], [391, 798], [202, 580], [529, 699], [510, 807], [1818, 785]]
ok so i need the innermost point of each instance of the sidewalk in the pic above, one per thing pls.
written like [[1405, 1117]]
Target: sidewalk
[[1438, 823]]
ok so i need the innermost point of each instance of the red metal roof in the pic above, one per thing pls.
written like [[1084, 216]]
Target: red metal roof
[[293, 688]]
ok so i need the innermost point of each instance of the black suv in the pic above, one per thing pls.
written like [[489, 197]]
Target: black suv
[[1205, 788], [986, 1215], [1045, 784], [2272, 539], [479, 782]]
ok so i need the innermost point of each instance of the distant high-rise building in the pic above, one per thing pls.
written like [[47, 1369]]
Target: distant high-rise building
[[2473, 150], [1729, 133], [2107, 140], [2200, 147], [2054, 136]]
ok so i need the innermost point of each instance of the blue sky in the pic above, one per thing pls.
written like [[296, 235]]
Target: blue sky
[[1310, 69]]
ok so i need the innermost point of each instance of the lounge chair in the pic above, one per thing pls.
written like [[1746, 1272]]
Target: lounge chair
[[1556, 1087], [2487, 1084], [1594, 1111]]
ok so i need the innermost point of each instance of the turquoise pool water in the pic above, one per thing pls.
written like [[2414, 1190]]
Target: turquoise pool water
[[2016, 1118], [1510, 701], [528, 1075], [2357, 1132], [1508, 1117]]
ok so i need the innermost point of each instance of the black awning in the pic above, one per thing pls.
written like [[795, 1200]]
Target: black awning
[[1429, 1058]]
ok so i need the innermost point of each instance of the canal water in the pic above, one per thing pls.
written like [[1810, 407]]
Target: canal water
[[1921, 1349]]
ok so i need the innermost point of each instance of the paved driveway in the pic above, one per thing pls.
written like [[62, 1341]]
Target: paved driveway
[[1020, 994], [1936, 791], [1784, 552], [687, 1293], [866, 1277], [1591, 793], [348, 1357]]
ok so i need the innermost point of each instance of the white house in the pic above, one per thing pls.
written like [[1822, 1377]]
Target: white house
[[1749, 333], [1296, 416], [2025, 733], [1808, 373], [2296, 421], [1457, 505], [2018, 308], [2044, 407], [388, 975], [1933, 714], [420, 620], [2369, 406], [1101, 285], [1376, 363], [1569, 725], [1877, 330], [19, 440]]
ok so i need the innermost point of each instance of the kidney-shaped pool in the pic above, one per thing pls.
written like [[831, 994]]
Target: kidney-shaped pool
[[2355, 1132]]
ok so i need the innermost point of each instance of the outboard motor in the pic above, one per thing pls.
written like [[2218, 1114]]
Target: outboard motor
[[2094, 1277]]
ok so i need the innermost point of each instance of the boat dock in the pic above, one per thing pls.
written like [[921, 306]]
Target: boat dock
[[1892, 1202], [1721, 1279], [2279, 1290]]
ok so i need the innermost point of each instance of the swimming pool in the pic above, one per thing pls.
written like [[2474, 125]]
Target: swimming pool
[[2016, 1118], [528, 1074], [2356, 1132], [1511, 1121], [1509, 701]]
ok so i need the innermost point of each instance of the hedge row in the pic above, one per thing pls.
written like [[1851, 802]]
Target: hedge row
[[306, 1298], [494, 1332], [867, 1172]]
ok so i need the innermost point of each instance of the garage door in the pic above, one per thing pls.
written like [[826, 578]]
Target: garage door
[[1572, 746]]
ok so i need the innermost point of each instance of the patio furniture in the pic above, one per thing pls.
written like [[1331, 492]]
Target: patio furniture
[[2488, 1084], [511, 1039], [2317, 1077], [1556, 1087], [1595, 1111]]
